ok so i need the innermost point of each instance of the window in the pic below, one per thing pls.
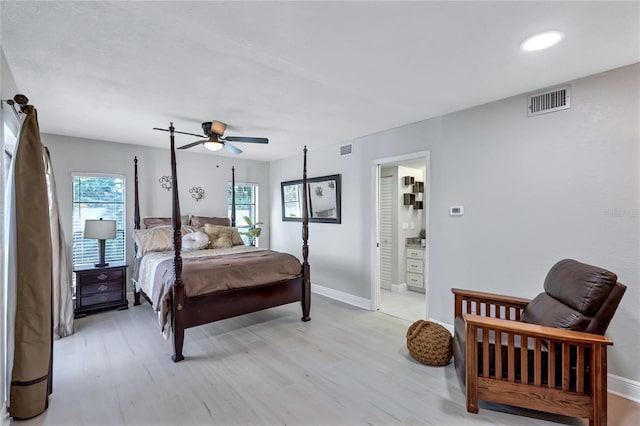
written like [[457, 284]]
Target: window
[[246, 205], [9, 147], [95, 197]]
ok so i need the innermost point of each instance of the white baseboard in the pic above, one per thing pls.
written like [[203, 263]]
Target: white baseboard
[[621, 386], [444, 324], [398, 288], [341, 296]]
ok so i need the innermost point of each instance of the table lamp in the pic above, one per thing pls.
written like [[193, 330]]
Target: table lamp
[[100, 230]]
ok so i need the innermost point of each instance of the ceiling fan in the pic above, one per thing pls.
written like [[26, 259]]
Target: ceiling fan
[[214, 140]]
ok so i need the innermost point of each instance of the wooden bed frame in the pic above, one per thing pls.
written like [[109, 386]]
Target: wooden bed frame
[[193, 311]]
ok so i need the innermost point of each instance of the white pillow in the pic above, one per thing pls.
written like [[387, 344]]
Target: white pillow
[[195, 241]]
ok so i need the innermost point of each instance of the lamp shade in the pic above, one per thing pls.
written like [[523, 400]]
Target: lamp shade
[[214, 145], [100, 229]]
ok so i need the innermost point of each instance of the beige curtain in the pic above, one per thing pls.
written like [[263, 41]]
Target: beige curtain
[[31, 329], [62, 292]]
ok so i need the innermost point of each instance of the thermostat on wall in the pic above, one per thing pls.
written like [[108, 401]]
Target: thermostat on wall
[[456, 210]]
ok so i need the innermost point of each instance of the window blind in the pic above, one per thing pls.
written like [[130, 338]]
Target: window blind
[[96, 197], [246, 201]]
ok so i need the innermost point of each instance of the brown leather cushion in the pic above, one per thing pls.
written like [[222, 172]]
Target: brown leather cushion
[[545, 310], [580, 286], [574, 293]]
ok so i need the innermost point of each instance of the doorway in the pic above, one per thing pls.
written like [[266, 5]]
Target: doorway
[[401, 204]]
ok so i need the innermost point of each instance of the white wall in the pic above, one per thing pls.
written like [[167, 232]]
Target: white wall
[[535, 190], [69, 155]]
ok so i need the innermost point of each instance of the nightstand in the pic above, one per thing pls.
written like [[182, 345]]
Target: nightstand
[[100, 288]]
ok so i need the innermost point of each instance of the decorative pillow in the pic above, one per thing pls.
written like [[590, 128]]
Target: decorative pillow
[[219, 236], [200, 221], [236, 239], [153, 222], [195, 241], [159, 238]]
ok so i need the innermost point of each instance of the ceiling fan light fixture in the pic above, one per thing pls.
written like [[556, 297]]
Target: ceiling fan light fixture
[[213, 145], [542, 40]]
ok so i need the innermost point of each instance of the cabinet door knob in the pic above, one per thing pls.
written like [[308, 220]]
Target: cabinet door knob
[[103, 298], [102, 277], [103, 287]]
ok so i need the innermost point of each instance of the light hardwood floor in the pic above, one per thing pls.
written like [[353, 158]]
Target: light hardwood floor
[[345, 367], [407, 305]]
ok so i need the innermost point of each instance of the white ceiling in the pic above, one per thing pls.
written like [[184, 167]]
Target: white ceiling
[[314, 73]]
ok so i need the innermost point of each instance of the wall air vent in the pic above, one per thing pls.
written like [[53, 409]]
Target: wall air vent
[[345, 149], [549, 101]]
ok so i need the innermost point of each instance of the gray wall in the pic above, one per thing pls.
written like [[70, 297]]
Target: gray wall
[[535, 190], [69, 155]]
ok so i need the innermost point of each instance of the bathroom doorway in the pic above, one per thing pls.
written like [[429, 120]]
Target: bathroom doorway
[[400, 287]]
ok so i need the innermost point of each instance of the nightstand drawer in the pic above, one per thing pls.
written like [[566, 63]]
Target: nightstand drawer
[[415, 280], [101, 276], [86, 289], [415, 266], [101, 298]]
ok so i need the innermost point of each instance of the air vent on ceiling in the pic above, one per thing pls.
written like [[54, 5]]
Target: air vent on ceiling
[[345, 149], [549, 101]]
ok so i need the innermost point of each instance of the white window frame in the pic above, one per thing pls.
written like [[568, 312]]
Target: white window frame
[[240, 223], [124, 205]]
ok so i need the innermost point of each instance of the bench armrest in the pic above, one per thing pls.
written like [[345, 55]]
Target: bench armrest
[[535, 330]]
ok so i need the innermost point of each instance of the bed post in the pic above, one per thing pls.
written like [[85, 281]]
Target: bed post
[[233, 196], [136, 218], [178, 288], [306, 278]]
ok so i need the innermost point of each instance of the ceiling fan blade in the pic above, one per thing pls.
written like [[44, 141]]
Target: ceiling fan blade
[[232, 149], [192, 144], [182, 133], [246, 139], [190, 134]]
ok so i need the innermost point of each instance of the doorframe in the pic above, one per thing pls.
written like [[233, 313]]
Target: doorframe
[[375, 232]]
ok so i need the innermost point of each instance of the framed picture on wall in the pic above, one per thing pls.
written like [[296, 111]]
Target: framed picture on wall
[[324, 199]]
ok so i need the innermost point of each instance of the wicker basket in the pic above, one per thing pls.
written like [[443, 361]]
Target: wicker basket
[[429, 343]]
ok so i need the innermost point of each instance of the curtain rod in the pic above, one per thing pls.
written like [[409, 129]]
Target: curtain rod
[[21, 100]]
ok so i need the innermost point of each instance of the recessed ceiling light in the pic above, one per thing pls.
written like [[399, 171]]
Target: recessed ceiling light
[[542, 40]]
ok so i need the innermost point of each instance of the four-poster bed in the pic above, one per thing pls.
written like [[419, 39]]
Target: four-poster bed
[[187, 307]]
